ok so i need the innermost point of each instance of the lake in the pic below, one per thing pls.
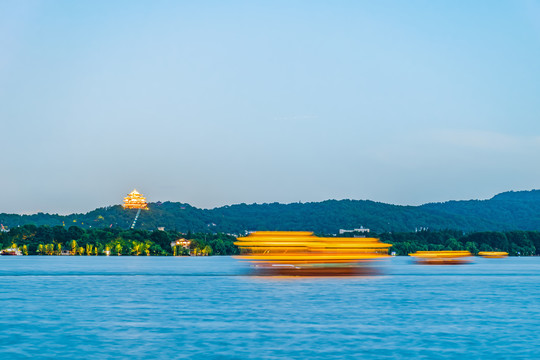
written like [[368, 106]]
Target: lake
[[212, 308]]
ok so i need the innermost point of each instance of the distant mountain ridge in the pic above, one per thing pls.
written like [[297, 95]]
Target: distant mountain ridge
[[512, 210]]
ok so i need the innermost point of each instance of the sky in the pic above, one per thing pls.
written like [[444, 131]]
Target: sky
[[215, 103]]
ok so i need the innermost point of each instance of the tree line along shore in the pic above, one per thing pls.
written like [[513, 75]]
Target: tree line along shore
[[58, 240]]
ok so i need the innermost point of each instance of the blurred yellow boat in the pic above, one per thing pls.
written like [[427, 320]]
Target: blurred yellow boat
[[442, 257], [298, 251], [493, 254]]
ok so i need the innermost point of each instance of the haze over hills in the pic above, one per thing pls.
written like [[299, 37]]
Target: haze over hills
[[506, 211]]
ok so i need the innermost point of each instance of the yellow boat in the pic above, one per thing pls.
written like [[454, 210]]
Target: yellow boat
[[445, 257], [493, 254], [301, 252]]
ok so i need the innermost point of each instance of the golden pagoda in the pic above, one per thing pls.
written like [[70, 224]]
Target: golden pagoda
[[302, 253], [135, 200]]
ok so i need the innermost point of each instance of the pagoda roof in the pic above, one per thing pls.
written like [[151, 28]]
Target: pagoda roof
[[135, 200]]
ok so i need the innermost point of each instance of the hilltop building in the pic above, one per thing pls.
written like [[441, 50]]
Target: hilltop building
[[135, 200]]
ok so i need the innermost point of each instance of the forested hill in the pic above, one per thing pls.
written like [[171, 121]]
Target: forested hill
[[519, 210], [505, 211]]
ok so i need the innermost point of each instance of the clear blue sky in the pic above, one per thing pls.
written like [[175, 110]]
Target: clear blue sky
[[223, 102]]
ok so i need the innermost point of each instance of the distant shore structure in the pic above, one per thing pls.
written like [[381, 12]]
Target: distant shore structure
[[135, 200], [360, 230]]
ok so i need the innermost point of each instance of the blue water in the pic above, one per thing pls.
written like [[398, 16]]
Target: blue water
[[210, 308]]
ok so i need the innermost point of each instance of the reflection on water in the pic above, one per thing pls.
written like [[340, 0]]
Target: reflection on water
[[202, 308], [316, 271]]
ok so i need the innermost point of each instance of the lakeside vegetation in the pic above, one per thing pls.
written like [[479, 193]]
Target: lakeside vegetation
[[515, 243], [46, 240]]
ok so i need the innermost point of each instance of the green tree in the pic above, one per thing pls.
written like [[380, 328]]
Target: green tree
[[157, 250], [73, 245], [136, 248], [471, 247], [207, 250], [98, 249], [49, 249], [146, 247], [453, 244], [218, 247], [485, 247], [118, 248], [75, 232]]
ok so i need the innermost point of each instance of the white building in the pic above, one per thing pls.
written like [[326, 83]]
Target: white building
[[360, 230]]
